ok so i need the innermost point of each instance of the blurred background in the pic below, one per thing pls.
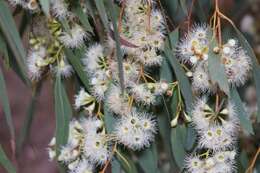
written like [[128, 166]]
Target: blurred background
[[33, 158]]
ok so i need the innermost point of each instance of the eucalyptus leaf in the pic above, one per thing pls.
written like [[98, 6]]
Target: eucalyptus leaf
[[102, 12], [63, 113], [256, 68], [241, 113], [5, 162], [181, 77], [112, 12], [30, 114], [9, 29], [216, 69], [148, 159], [45, 4], [83, 18], [178, 70], [6, 106], [77, 66], [177, 139]]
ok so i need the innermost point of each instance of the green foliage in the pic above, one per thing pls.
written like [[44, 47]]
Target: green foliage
[[63, 113], [5, 162]]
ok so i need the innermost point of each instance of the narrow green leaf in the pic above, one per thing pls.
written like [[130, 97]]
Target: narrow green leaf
[[177, 135], [83, 18], [148, 160], [112, 12], [77, 66], [177, 140], [190, 137], [9, 29], [123, 158], [256, 68], [45, 4], [178, 70], [25, 130], [241, 113], [110, 120], [126, 162], [164, 117], [181, 77], [6, 107], [5, 162], [65, 25], [115, 164], [216, 69], [63, 113], [243, 159], [102, 12], [184, 7], [3, 49]]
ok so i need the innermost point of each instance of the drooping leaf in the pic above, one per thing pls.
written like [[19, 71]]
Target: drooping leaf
[[243, 158], [5, 162], [102, 12], [148, 159], [83, 18], [112, 12], [63, 113], [164, 117], [8, 27], [4, 50], [123, 158], [6, 106], [116, 168], [126, 162], [241, 113], [178, 70], [77, 66], [181, 78], [178, 144], [45, 4], [26, 127], [256, 68], [184, 7], [216, 69]]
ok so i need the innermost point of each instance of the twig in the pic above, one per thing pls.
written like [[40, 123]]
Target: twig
[[251, 166]]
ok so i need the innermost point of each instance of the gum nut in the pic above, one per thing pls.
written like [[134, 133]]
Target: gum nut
[[216, 49], [193, 59], [232, 42]]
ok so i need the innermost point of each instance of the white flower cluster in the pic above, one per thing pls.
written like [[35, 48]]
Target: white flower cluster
[[47, 51], [31, 5], [194, 50], [142, 43], [44, 57], [144, 27], [218, 162], [136, 130], [217, 132], [87, 146], [217, 128]]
